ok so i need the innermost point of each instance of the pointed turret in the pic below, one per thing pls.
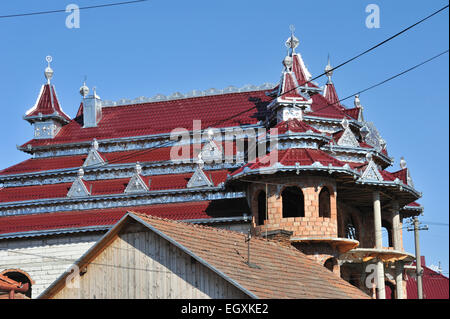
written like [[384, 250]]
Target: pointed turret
[[330, 91], [47, 115], [293, 95]]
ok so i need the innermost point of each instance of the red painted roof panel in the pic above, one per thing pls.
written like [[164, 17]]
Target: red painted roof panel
[[106, 217], [164, 116], [104, 187]]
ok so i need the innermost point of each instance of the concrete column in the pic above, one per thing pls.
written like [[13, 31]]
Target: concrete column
[[397, 246], [378, 244], [377, 220], [399, 279], [396, 226]]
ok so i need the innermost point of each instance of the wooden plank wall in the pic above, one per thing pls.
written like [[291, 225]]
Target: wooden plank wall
[[143, 265]]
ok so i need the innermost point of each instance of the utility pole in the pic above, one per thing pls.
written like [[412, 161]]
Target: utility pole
[[419, 270]]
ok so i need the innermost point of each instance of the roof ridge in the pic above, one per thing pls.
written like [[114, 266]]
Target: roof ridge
[[188, 224], [216, 229], [192, 94]]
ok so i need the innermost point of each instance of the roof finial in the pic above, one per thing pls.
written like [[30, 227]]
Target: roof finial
[[80, 172], [292, 42], [84, 90], [329, 70], [138, 168], [357, 101], [95, 144], [402, 163], [48, 70]]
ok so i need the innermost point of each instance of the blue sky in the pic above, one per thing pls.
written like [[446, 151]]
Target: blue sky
[[163, 47]]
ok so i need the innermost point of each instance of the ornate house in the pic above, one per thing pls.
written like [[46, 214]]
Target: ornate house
[[285, 161]]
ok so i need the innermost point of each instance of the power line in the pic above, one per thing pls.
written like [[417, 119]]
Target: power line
[[384, 81], [64, 10], [370, 49], [170, 143], [436, 224]]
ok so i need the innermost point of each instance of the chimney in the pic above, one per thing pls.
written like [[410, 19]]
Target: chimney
[[92, 108], [422, 261]]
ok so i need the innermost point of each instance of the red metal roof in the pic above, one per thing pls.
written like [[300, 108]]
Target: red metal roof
[[47, 104], [298, 71], [330, 94], [164, 116], [322, 108], [354, 112], [401, 175], [295, 126], [290, 157], [107, 217], [104, 187], [289, 87], [434, 284], [75, 161]]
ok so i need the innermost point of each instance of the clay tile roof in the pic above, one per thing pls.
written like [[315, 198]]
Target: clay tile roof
[[282, 272], [7, 283]]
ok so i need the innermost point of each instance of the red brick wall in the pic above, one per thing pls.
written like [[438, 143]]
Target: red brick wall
[[309, 226]]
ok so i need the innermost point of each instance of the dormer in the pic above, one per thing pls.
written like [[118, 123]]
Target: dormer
[[46, 115]]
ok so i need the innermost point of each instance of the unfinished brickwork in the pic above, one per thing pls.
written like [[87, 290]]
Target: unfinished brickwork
[[311, 225]]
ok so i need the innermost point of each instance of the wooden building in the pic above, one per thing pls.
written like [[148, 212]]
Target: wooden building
[[150, 257]]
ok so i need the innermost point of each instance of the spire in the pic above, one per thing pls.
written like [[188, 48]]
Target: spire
[[329, 70], [330, 91], [293, 95], [47, 114], [48, 70], [292, 42], [289, 83]]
